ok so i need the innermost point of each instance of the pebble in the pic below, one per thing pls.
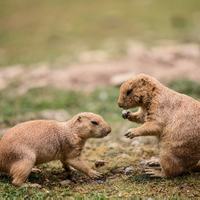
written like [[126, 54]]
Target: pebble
[[143, 163], [120, 195], [149, 198], [182, 186], [129, 169], [99, 182], [65, 182]]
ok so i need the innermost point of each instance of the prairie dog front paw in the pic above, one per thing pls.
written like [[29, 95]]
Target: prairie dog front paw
[[94, 174], [131, 133], [126, 114]]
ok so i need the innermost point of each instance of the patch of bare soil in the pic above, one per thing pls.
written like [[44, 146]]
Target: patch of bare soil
[[164, 63]]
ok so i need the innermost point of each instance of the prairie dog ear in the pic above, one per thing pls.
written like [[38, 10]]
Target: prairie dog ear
[[79, 119], [143, 82]]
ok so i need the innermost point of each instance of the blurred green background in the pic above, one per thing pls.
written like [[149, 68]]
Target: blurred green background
[[42, 31], [33, 31]]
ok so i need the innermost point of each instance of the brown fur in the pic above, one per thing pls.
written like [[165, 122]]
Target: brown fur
[[172, 117], [40, 141]]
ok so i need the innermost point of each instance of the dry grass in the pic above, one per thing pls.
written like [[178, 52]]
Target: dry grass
[[116, 183]]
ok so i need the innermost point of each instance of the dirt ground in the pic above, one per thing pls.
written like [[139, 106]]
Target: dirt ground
[[96, 68]]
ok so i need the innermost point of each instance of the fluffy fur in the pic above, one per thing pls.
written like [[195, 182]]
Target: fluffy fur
[[172, 117], [40, 141]]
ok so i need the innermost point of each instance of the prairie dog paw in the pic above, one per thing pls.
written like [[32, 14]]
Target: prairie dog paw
[[126, 114], [94, 174], [131, 133], [154, 173], [154, 163]]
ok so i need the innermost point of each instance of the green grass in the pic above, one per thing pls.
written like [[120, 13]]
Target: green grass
[[119, 153], [115, 184], [102, 101], [186, 86], [42, 31], [15, 107]]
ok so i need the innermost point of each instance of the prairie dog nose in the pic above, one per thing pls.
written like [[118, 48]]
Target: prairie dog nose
[[109, 130], [119, 104]]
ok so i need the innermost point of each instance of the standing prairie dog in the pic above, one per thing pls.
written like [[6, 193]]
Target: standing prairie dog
[[173, 117], [40, 141]]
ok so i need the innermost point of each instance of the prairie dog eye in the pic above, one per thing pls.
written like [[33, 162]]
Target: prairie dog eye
[[129, 91], [94, 122]]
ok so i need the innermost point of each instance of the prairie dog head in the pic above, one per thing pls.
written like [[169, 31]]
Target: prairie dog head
[[89, 125], [136, 91]]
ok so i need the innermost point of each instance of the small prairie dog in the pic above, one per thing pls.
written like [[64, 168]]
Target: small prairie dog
[[172, 117], [40, 141]]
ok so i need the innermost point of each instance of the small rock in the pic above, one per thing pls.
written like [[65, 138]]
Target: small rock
[[143, 163], [99, 163], [65, 182], [182, 186], [99, 182], [149, 198], [129, 169], [120, 195]]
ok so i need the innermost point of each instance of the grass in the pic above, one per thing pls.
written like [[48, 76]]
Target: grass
[[115, 149], [115, 184], [186, 86], [32, 32], [15, 107]]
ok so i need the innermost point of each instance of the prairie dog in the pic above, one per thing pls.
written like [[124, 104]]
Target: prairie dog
[[172, 117], [40, 141]]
